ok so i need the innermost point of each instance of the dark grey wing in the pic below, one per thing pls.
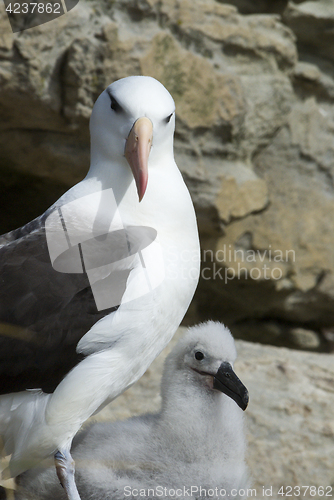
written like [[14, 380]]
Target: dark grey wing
[[43, 313]]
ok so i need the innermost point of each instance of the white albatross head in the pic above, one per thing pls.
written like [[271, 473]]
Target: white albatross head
[[132, 124]]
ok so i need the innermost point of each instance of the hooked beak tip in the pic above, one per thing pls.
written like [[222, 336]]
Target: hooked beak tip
[[227, 382]]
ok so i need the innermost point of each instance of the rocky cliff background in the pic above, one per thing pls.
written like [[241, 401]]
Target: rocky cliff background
[[253, 82]]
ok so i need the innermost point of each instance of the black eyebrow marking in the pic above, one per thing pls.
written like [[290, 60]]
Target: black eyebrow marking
[[114, 104], [167, 120]]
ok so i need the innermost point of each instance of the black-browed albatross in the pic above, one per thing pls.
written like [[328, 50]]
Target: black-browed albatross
[[94, 289]]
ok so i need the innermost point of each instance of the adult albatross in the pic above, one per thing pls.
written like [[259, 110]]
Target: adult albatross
[[94, 289]]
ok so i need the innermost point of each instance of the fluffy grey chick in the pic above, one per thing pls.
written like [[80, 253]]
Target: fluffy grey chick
[[194, 445]]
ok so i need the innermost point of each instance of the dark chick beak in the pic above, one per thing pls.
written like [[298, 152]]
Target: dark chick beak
[[227, 382]]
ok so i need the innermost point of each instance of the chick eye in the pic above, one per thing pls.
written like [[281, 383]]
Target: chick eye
[[168, 118], [199, 355]]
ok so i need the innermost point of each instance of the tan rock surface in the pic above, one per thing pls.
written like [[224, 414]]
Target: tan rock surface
[[254, 137], [290, 425], [242, 192], [313, 22]]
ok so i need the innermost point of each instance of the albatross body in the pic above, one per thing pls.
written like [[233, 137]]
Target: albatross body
[[95, 288]]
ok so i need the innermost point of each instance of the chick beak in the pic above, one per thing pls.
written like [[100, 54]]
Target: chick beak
[[137, 149], [227, 382]]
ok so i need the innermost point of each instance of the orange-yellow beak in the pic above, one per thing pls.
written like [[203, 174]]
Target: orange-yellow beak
[[137, 149]]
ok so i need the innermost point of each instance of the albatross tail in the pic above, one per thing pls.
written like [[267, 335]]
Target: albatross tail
[[20, 414]]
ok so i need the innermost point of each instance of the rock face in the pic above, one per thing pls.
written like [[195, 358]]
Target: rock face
[[290, 427], [254, 93]]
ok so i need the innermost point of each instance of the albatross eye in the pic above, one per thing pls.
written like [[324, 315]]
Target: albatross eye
[[168, 118], [199, 355], [113, 103]]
